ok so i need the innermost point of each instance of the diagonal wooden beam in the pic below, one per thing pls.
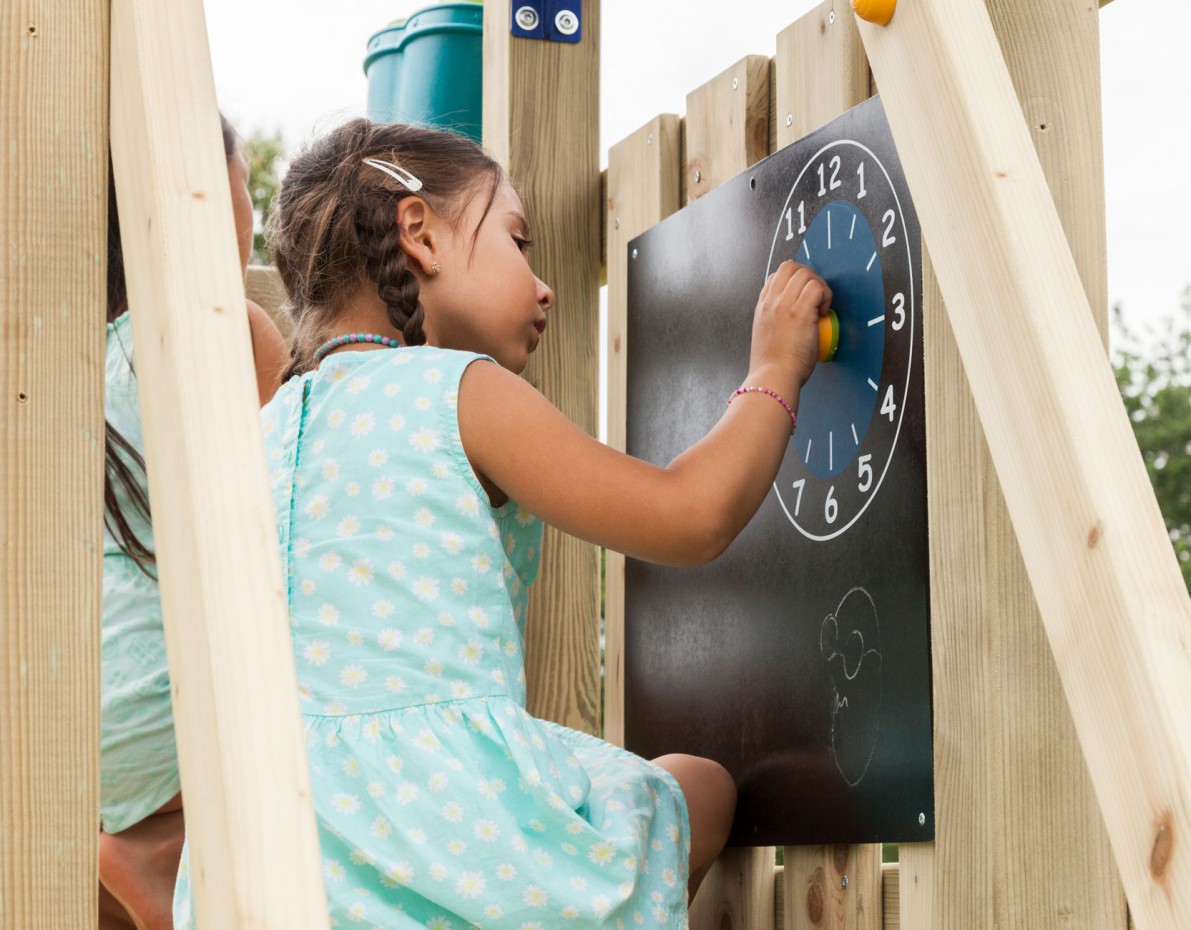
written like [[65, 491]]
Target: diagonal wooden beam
[[253, 845], [1109, 590]]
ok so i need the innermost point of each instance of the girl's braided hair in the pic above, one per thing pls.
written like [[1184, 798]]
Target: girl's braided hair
[[334, 227]]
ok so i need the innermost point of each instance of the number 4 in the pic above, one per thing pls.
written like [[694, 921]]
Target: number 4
[[888, 407]]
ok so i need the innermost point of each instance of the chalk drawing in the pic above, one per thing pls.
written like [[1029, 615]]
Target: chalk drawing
[[850, 642]]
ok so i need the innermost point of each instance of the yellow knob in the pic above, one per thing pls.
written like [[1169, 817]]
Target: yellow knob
[[875, 11], [828, 336]]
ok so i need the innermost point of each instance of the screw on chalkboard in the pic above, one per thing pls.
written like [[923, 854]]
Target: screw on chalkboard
[[922, 820], [634, 254]]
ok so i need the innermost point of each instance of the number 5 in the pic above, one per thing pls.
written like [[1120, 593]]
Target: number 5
[[866, 473]]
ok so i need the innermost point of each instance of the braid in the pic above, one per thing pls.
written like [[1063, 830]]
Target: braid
[[386, 263], [334, 224]]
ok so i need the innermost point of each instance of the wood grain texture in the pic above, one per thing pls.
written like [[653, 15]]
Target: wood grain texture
[[833, 888], [916, 895], [541, 106], [727, 125], [1092, 540], [738, 892], [250, 826], [53, 119], [890, 896], [1010, 775], [820, 72], [644, 179]]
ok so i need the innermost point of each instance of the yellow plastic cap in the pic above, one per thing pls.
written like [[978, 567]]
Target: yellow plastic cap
[[875, 11]]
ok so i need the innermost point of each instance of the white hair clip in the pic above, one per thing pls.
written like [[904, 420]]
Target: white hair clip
[[397, 174]]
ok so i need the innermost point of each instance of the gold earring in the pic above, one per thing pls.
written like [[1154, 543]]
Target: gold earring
[[435, 267]]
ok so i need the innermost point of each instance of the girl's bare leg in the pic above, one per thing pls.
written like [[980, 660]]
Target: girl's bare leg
[[710, 796], [112, 915], [138, 868]]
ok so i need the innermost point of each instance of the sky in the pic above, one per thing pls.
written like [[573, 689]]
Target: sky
[[296, 66]]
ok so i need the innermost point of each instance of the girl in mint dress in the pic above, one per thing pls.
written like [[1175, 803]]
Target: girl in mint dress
[[409, 469]]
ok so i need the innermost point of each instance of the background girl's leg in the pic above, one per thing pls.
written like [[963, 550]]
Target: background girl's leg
[[710, 796], [112, 915], [139, 866]]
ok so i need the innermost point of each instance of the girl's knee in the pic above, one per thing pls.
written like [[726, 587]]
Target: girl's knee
[[708, 787]]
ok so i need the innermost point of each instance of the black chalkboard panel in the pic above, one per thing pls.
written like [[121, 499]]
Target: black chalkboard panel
[[800, 659]]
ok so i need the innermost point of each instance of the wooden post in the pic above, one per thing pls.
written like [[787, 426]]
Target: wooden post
[[644, 187], [1091, 536], [53, 119], [820, 72], [1009, 773], [541, 120], [250, 828]]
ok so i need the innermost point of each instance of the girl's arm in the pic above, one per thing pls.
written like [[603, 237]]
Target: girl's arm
[[269, 351], [685, 513]]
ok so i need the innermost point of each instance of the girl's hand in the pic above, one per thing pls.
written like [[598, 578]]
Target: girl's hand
[[786, 325]]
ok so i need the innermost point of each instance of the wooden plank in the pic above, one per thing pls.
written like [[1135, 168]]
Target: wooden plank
[[541, 105], [249, 824], [890, 896], [1093, 542], [833, 887], [727, 125], [726, 130], [1021, 781], [644, 178], [53, 118], [738, 892], [916, 879], [264, 286], [820, 70]]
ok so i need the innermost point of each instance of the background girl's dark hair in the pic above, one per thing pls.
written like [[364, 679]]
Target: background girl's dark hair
[[121, 459], [334, 227]]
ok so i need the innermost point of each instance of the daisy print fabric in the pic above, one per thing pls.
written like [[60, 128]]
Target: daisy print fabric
[[441, 803]]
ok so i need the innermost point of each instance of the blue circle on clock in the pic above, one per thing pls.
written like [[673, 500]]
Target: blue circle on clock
[[836, 404]]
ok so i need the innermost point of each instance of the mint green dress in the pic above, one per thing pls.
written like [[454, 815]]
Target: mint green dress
[[138, 756], [441, 803]]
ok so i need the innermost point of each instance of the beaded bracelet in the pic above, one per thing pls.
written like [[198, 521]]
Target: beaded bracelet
[[768, 393]]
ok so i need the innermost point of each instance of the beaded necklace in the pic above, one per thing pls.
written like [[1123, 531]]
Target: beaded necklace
[[332, 344]]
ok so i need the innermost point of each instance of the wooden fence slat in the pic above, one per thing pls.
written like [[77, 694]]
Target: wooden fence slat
[[53, 119], [541, 101], [264, 286], [1108, 587], [833, 888], [738, 892], [1009, 772], [644, 180], [251, 830], [820, 72], [727, 125], [727, 129]]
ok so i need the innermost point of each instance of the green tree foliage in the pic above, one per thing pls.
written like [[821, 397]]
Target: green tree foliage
[[265, 155], [1155, 382]]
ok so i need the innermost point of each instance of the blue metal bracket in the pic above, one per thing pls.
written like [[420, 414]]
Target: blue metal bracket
[[552, 20]]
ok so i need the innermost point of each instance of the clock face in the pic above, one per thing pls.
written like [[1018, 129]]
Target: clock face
[[844, 219]]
